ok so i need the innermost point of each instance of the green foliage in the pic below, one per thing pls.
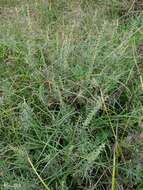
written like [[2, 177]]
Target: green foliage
[[70, 96]]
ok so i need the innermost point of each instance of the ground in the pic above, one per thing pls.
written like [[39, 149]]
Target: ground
[[71, 95]]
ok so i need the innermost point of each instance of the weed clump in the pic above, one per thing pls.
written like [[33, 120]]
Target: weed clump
[[71, 95]]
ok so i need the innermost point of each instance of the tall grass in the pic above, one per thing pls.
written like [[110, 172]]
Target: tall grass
[[70, 96]]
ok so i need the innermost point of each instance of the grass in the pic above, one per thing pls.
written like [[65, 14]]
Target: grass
[[71, 95]]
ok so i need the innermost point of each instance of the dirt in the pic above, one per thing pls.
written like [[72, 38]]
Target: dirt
[[140, 49], [1, 93], [131, 10]]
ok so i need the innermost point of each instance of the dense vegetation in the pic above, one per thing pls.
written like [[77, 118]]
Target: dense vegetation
[[71, 95]]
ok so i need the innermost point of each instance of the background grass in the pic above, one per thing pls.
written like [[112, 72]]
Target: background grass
[[71, 95]]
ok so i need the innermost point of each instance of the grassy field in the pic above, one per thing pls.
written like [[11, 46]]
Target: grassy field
[[71, 95]]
